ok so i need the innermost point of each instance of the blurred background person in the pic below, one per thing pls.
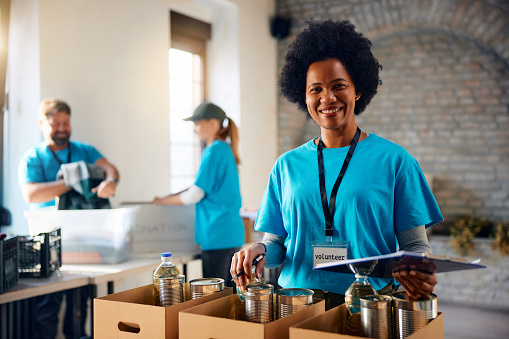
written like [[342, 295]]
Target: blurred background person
[[216, 192], [37, 176]]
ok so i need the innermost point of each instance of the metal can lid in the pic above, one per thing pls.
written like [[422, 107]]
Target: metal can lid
[[179, 278], [295, 292], [206, 281], [402, 301], [295, 296], [376, 302], [260, 288]]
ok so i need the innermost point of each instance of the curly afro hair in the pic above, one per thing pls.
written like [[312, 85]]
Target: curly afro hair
[[323, 40]]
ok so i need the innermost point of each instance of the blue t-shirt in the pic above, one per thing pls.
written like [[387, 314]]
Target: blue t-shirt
[[39, 165], [218, 221], [383, 192]]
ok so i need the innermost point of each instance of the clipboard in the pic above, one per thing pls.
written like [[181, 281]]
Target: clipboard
[[425, 262]]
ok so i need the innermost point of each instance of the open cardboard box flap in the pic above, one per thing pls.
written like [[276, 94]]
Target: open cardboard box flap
[[222, 318], [132, 314], [331, 325]]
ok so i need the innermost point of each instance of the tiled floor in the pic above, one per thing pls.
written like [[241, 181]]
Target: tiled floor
[[466, 322]]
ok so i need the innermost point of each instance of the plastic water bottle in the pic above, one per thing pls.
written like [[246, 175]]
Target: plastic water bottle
[[166, 269]]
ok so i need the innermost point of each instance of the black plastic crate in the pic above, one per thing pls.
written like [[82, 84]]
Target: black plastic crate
[[40, 255], [9, 263]]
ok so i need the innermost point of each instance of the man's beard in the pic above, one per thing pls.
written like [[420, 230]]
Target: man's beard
[[61, 141]]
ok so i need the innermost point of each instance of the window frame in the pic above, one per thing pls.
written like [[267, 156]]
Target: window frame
[[5, 6], [190, 35]]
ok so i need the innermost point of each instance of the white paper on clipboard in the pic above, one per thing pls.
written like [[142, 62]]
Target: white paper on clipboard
[[425, 262]]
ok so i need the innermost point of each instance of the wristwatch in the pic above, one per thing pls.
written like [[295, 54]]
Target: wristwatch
[[115, 181]]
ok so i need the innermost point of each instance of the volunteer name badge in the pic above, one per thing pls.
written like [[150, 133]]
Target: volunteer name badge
[[326, 252]]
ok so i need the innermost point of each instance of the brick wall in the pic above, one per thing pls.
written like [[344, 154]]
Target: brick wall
[[480, 287], [445, 92]]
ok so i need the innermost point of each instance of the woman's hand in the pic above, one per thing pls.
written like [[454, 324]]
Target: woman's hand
[[158, 201], [172, 199], [242, 260], [417, 283]]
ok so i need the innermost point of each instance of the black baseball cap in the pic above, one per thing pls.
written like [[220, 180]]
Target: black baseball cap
[[207, 111]]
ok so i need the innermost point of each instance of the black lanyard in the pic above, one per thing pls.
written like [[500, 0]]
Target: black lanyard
[[57, 159], [330, 209]]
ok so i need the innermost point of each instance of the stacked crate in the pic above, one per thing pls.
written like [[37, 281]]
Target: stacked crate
[[8, 263]]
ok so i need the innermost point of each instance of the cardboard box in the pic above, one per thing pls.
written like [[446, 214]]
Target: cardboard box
[[331, 325], [163, 228], [248, 228], [248, 218], [132, 313], [221, 319]]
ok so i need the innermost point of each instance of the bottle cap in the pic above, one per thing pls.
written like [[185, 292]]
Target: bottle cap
[[166, 254]]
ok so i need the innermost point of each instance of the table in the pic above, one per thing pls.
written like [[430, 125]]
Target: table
[[102, 273], [33, 287], [17, 305], [17, 302]]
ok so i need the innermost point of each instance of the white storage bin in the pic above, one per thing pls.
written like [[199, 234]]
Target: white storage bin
[[88, 236], [164, 228]]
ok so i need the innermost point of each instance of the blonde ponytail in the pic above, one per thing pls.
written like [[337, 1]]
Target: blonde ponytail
[[231, 132]]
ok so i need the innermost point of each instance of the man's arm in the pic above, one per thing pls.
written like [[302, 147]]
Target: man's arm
[[109, 168], [107, 187], [35, 192]]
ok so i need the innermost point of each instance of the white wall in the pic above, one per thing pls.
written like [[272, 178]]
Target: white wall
[[109, 61], [242, 79], [21, 130], [258, 97]]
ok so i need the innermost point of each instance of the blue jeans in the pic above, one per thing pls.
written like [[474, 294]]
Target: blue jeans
[[46, 310], [46, 315]]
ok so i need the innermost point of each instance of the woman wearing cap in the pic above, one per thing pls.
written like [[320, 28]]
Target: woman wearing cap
[[216, 192], [347, 187]]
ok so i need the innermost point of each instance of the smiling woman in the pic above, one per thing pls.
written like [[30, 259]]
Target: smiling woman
[[330, 99], [352, 193], [343, 43]]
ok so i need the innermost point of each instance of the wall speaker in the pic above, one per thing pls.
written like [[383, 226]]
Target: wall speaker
[[5, 217], [280, 28]]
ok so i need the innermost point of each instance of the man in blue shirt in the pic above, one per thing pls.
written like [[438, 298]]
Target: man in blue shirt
[[37, 175], [39, 166]]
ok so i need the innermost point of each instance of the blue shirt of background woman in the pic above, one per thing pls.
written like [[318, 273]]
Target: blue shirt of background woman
[[216, 192], [218, 222]]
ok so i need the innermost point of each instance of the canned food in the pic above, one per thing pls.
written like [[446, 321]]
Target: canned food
[[412, 315], [258, 301], [376, 316], [171, 290], [205, 286], [292, 300]]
